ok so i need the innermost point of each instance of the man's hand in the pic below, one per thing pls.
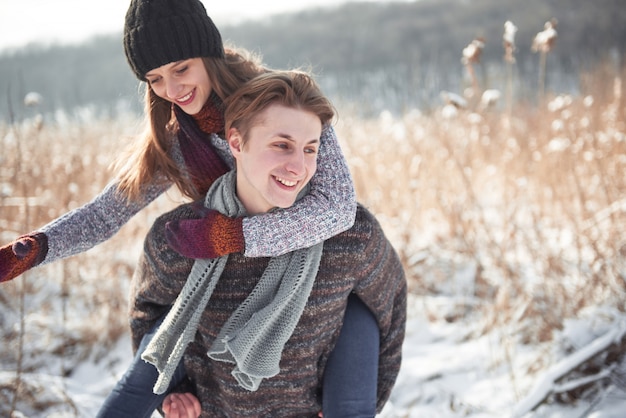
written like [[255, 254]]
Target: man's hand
[[181, 405]]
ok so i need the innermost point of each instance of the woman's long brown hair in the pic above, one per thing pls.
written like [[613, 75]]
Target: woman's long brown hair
[[147, 159]]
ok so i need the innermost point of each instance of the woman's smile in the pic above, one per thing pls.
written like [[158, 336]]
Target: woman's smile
[[186, 99]]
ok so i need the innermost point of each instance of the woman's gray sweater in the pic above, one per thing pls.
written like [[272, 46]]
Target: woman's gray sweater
[[328, 210]]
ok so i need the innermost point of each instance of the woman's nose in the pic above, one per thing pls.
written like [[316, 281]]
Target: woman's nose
[[173, 89]]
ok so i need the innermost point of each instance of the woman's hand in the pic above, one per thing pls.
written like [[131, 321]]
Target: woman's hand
[[22, 254], [181, 405], [213, 235]]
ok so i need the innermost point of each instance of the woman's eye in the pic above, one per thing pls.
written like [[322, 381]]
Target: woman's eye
[[182, 70]]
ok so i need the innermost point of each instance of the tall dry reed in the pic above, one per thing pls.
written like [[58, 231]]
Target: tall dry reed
[[531, 209], [75, 308]]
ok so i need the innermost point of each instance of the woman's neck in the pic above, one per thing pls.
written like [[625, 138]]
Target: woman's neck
[[210, 118]]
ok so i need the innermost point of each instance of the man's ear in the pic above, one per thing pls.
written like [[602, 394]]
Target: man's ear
[[234, 141]]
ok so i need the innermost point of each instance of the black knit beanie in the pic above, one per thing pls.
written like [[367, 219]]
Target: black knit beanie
[[158, 32]]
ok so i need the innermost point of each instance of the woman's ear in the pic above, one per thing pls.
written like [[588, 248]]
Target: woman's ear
[[234, 141]]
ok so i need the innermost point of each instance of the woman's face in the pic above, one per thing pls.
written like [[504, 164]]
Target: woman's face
[[185, 83], [278, 158]]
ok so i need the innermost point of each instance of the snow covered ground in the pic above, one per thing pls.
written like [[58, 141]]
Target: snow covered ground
[[447, 371]]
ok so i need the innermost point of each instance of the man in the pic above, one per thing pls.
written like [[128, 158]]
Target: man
[[255, 334]]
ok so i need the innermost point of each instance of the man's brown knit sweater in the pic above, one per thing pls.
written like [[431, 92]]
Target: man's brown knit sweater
[[360, 260]]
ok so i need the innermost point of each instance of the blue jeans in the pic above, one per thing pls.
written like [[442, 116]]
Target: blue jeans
[[132, 396], [351, 375], [350, 378]]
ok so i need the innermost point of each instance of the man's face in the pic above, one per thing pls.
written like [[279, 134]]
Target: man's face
[[278, 158]]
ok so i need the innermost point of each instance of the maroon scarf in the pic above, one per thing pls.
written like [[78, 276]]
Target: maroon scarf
[[203, 162]]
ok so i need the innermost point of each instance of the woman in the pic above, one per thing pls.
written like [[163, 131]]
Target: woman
[[269, 325], [184, 108]]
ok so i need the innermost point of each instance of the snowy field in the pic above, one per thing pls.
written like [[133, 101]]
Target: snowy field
[[445, 373], [512, 232]]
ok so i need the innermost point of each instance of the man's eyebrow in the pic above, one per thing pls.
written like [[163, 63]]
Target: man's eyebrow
[[290, 138]]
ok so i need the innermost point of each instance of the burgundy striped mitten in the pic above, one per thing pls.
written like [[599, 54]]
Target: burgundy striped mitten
[[22, 254], [213, 235]]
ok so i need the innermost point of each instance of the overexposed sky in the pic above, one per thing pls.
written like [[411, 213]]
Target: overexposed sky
[[71, 21]]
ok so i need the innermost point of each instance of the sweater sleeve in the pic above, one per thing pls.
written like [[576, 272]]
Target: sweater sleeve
[[327, 210], [95, 222]]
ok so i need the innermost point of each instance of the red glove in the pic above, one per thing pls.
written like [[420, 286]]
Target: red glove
[[212, 236], [22, 254]]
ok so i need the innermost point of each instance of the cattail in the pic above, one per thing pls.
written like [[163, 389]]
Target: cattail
[[544, 40], [489, 98], [453, 99], [471, 56], [453, 102], [543, 43], [472, 52], [509, 41], [32, 99]]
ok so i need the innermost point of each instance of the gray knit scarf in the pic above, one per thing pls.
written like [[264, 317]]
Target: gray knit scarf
[[254, 336]]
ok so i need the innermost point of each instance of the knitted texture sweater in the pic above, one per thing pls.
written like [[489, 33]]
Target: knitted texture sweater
[[360, 260], [327, 210]]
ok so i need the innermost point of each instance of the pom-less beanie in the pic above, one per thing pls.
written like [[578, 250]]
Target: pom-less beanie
[[157, 32]]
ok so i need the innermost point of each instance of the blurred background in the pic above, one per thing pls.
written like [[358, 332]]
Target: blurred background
[[382, 55], [488, 137]]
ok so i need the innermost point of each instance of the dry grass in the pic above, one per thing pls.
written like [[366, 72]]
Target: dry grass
[[75, 308], [521, 220], [531, 208]]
